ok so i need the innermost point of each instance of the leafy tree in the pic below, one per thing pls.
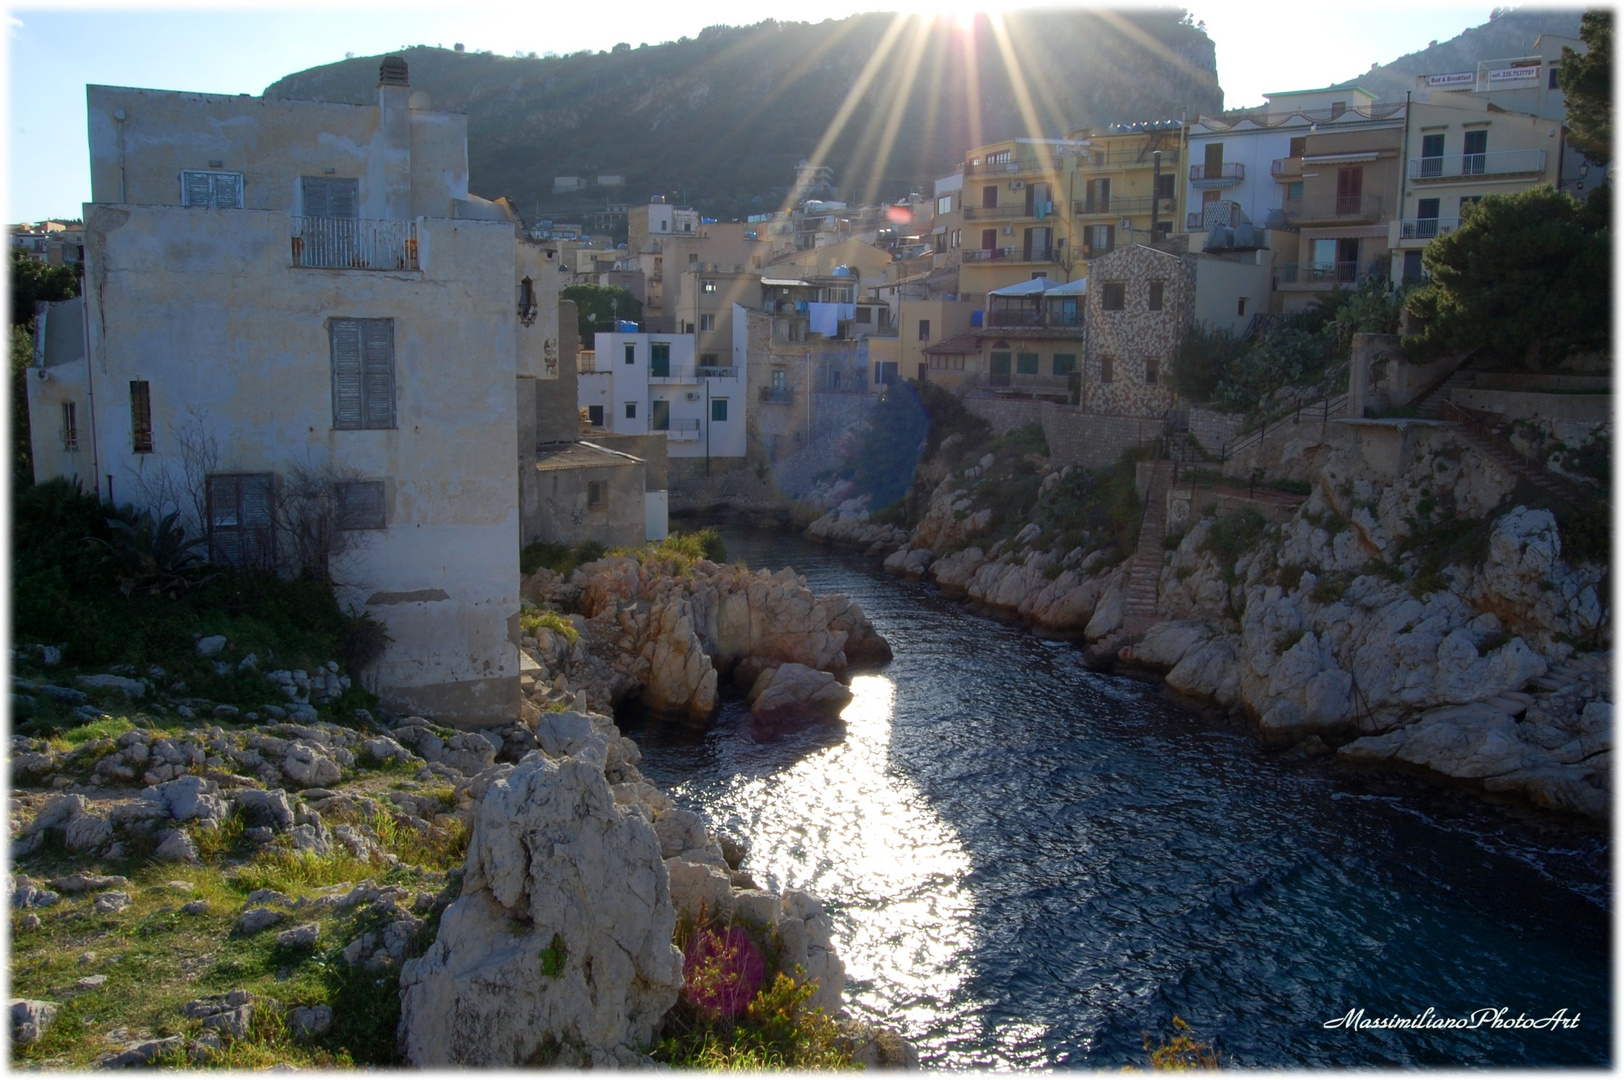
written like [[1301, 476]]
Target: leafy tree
[[598, 306], [1203, 360], [32, 280], [1525, 277], [22, 449], [1587, 84]]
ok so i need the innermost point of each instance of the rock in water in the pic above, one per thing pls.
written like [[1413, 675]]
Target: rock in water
[[562, 934]]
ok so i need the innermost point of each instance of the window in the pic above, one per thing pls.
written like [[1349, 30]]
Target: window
[[1155, 296], [1164, 186], [1299, 146], [1101, 238], [865, 315], [1552, 84], [885, 373], [1113, 296], [1350, 184], [594, 415], [989, 197], [631, 410], [595, 494], [693, 260], [718, 410], [1338, 108], [1097, 198], [1105, 368], [1026, 363], [360, 504], [1000, 158], [707, 323], [944, 204], [631, 353], [708, 285], [527, 299], [70, 426], [659, 359], [1150, 372], [1476, 159], [330, 196], [1240, 305], [1065, 363], [1294, 191], [924, 329], [660, 415], [1213, 164], [363, 353], [240, 511], [216, 190], [141, 417]]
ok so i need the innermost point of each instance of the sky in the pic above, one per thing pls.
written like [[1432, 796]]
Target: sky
[[54, 50]]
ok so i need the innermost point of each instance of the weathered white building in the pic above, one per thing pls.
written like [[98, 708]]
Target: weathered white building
[[649, 383], [280, 287]]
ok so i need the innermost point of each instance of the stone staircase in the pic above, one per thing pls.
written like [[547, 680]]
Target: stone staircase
[[1144, 576], [1476, 430], [1430, 404]]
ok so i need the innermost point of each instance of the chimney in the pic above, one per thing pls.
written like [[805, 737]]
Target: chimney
[[395, 138]]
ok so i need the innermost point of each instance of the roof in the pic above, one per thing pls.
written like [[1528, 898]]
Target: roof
[[958, 344], [1071, 288], [552, 457], [786, 281], [1025, 288]]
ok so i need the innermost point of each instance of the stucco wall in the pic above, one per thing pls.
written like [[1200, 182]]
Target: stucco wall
[[566, 517], [234, 342]]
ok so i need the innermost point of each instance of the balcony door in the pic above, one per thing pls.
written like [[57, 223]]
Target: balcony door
[[999, 375], [1475, 161], [1099, 196], [660, 415], [1214, 164], [1432, 155], [1426, 219], [1350, 189]]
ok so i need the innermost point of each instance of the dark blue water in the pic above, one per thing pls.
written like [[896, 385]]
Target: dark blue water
[[1034, 864]]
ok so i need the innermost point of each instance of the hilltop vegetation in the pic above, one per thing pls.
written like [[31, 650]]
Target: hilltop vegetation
[[720, 120]]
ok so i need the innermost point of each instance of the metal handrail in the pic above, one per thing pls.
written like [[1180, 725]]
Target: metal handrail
[[1334, 405], [1495, 163], [331, 243]]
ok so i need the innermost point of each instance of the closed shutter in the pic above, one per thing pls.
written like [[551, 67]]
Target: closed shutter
[[258, 538], [331, 196], [315, 196], [196, 189], [346, 342], [241, 509], [378, 372], [228, 191], [361, 504]]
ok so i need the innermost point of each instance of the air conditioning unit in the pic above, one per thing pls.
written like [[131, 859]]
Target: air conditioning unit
[[1125, 223], [1017, 185], [692, 396], [1009, 230]]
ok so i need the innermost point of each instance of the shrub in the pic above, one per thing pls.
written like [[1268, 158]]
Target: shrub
[[1203, 360], [531, 621], [1235, 533]]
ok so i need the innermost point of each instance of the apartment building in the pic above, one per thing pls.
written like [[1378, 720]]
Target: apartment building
[[1014, 212], [653, 384], [1124, 187], [703, 306], [1461, 148], [278, 285], [947, 226], [55, 243], [1340, 184]]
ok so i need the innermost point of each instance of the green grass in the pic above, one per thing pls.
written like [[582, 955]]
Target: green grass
[[561, 559], [531, 621]]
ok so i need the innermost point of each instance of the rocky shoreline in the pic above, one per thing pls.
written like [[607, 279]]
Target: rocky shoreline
[[1329, 629], [572, 855]]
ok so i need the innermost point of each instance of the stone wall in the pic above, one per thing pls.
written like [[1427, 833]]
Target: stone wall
[[1075, 437], [1136, 343], [1212, 429], [1518, 405]]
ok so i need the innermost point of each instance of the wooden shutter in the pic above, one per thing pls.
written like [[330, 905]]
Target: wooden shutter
[[195, 189], [361, 504], [343, 197], [346, 343], [378, 372], [228, 191], [258, 495], [315, 196], [224, 516]]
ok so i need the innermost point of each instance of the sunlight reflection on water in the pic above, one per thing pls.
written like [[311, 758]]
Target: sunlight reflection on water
[[844, 825]]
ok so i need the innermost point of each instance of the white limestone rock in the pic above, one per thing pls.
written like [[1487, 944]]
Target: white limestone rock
[[557, 874], [797, 685]]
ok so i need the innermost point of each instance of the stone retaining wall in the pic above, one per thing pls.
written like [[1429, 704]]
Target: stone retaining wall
[[1075, 437]]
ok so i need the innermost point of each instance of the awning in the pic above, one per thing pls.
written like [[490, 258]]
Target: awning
[[1025, 288], [1071, 288], [786, 281]]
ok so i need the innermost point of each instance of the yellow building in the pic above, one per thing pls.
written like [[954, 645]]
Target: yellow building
[[1014, 213], [1124, 189]]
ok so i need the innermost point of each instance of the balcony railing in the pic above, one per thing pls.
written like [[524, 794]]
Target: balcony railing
[[1334, 208], [1010, 254], [997, 213], [1223, 212], [778, 395], [1132, 204], [1017, 165], [1230, 172], [1499, 163], [665, 373], [354, 244], [1125, 156], [1015, 318], [706, 372], [1427, 228], [682, 430], [1342, 273]]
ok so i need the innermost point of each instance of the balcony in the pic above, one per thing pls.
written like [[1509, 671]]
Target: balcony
[[1123, 157], [1007, 212], [1342, 273], [1228, 174], [1132, 204], [1223, 212], [778, 395], [682, 430], [1427, 228], [1334, 208], [1014, 318], [1010, 254], [1291, 167], [328, 243], [1458, 166], [716, 372], [1016, 165]]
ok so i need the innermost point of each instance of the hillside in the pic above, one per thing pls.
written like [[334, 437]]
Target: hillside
[[720, 120], [1512, 33]]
